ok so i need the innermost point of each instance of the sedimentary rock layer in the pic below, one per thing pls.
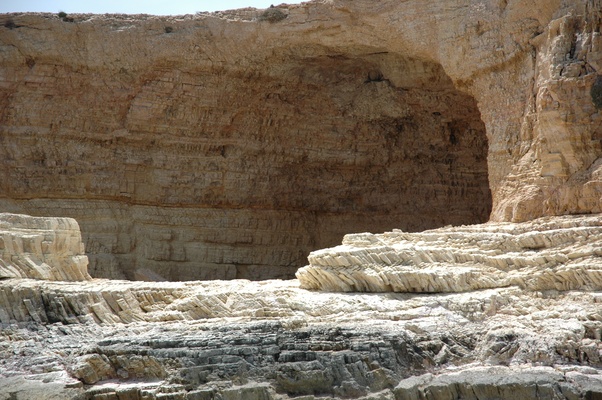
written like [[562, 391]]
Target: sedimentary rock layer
[[309, 123], [274, 340], [41, 248], [228, 146], [326, 117], [560, 253]]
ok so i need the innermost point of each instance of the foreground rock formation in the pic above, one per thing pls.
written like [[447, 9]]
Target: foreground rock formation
[[274, 340], [560, 253], [232, 144]]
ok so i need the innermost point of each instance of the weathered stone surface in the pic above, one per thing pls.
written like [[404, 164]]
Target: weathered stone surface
[[560, 253], [501, 383], [275, 340], [41, 248], [232, 144], [229, 145]]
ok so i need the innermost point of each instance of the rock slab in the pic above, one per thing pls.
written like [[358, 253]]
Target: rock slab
[[560, 253], [41, 248]]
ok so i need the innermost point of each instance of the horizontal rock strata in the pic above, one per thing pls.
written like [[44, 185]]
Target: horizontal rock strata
[[305, 124], [310, 122], [278, 340], [41, 248], [502, 383], [228, 147], [274, 340], [561, 253]]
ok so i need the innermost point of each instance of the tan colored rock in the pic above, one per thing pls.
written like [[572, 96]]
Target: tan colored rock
[[231, 144], [560, 253], [41, 248]]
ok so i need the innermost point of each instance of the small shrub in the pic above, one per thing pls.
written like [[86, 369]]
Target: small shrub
[[168, 29], [596, 92], [10, 24], [272, 15], [64, 17]]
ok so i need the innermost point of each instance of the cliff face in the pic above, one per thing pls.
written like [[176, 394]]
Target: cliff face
[[230, 145]]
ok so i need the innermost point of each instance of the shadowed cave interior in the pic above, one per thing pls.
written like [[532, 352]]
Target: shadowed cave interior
[[171, 183]]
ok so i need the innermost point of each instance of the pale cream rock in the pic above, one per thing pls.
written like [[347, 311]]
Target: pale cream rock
[[41, 248], [126, 337], [561, 253]]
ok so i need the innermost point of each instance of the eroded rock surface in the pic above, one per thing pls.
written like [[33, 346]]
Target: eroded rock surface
[[560, 253], [230, 145], [274, 340], [41, 248]]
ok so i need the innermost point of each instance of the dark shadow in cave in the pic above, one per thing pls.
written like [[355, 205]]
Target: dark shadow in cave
[[396, 146], [283, 162]]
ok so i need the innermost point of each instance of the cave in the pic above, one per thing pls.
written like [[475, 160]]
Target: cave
[[284, 156]]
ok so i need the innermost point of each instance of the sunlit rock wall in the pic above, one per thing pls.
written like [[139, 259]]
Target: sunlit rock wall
[[232, 144]]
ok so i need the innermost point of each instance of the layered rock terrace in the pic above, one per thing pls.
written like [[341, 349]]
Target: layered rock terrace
[[41, 248], [274, 340], [560, 253]]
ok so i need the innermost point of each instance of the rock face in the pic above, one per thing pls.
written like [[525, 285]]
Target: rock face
[[274, 340], [41, 248], [226, 145], [218, 151], [230, 145], [561, 253]]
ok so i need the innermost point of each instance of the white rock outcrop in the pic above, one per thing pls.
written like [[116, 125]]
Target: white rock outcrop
[[41, 248], [274, 340], [560, 253]]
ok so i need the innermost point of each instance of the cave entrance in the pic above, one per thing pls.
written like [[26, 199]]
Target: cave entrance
[[245, 183], [317, 148], [382, 142]]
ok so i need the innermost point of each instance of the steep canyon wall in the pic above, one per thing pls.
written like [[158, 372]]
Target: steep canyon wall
[[230, 145]]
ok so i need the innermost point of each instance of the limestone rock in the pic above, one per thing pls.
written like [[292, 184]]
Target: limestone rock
[[560, 253], [499, 383], [41, 248], [228, 146], [275, 341]]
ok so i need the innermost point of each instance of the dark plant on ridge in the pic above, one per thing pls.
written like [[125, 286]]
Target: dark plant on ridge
[[272, 15]]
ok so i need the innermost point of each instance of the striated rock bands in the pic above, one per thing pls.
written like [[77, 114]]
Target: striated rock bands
[[274, 340], [41, 248], [231, 147], [558, 253], [303, 122]]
